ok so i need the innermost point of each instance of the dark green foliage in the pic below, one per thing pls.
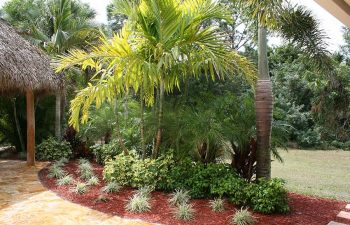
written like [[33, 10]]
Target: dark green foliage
[[51, 149], [105, 152], [268, 196], [230, 186], [12, 109], [201, 180], [196, 177]]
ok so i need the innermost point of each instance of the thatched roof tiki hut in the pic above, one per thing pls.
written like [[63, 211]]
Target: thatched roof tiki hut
[[25, 69]]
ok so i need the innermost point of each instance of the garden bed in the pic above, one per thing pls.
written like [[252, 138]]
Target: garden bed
[[304, 209]]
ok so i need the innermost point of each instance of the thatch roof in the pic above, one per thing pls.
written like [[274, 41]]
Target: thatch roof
[[22, 65]]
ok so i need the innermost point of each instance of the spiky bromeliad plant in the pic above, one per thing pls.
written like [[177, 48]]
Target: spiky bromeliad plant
[[162, 44]]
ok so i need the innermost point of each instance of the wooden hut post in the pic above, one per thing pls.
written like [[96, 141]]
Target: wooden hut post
[[30, 128]]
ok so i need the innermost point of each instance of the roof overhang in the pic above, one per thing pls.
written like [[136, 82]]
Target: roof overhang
[[338, 8]]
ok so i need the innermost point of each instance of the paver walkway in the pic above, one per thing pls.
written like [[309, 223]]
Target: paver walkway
[[23, 200]]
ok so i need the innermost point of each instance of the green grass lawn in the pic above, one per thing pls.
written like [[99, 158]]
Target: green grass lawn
[[320, 173]]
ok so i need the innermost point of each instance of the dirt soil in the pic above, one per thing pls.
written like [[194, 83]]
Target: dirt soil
[[305, 210]]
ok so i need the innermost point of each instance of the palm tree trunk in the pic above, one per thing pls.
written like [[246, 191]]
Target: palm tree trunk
[[117, 130], [264, 108], [18, 127], [58, 116], [126, 106], [160, 118], [142, 125]]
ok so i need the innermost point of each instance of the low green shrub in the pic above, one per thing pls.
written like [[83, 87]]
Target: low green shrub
[[51, 149], [132, 171], [105, 152], [210, 180], [231, 186], [268, 196]]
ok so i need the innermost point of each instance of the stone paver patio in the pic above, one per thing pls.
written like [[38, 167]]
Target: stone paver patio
[[23, 200]]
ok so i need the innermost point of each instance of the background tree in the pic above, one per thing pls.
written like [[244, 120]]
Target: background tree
[[297, 25]]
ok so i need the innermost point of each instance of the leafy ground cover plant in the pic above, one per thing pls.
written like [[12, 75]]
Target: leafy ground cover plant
[[217, 205], [111, 187], [243, 217], [80, 188], [184, 211], [138, 203], [66, 180], [179, 197]]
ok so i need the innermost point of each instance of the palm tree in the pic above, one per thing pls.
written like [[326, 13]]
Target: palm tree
[[161, 44], [295, 24]]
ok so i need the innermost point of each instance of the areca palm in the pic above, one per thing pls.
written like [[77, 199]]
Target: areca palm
[[161, 44], [297, 25]]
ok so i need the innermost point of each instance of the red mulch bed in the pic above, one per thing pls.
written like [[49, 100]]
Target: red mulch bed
[[305, 210]]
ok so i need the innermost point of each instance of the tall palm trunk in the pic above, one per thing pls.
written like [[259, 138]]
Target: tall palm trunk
[[160, 118], [142, 125], [117, 130], [264, 108]]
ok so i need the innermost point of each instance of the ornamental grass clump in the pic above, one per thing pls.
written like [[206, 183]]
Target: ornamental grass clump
[[243, 217], [217, 205], [80, 188], [61, 162], [66, 180], [184, 211], [138, 203], [111, 187], [56, 171], [145, 191], [93, 181], [85, 169], [179, 197]]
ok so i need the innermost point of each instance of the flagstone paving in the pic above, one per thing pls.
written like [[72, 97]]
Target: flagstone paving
[[24, 201]]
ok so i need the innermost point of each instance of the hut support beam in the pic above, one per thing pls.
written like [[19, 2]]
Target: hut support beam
[[30, 128]]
